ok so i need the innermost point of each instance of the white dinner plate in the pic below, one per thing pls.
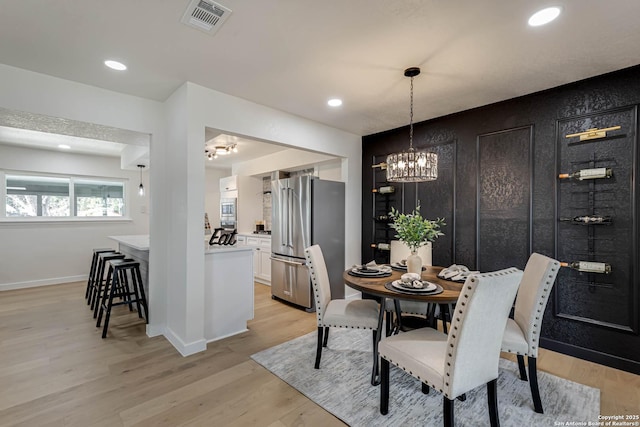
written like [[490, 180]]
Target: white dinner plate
[[429, 287]]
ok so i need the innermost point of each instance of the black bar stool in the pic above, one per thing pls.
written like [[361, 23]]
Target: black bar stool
[[126, 284], [99, 283], [92, 271]]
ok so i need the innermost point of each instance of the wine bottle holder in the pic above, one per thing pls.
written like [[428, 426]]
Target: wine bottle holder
[[594, 297]]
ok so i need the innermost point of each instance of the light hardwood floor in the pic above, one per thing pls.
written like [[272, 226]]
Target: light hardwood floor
[[55, 370]]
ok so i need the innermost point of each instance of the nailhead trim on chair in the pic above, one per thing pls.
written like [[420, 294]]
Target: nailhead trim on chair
[[319, 313]]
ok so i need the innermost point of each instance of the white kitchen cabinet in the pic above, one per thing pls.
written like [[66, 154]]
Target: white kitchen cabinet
[[261, 245], [229, 183]]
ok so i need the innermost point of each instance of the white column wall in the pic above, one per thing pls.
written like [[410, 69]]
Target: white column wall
[[38, 93], [209, 108]]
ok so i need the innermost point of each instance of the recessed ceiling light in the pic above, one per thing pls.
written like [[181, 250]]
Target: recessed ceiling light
[[115, 65], [64, 146], [544, 16], [335, 102]]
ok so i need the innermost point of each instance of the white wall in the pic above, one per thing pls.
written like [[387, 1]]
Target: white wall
[[212, 194], [228, 114], [287, 160], [331, 170], [177, 174], [41, 94], [35, 254]]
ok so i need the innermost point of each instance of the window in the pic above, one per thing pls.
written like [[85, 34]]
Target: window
[[37, 196], [60, 197], [98, 198]]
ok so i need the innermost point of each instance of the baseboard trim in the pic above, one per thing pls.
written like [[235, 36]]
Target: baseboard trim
[[592, 355], [228, 335], [185, 349], [155, 331], [42, 282]]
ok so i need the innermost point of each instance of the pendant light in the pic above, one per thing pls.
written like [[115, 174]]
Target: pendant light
[[412, 165], [141, 187]]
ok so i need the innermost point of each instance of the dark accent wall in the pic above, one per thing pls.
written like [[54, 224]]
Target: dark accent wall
[[500, 196]]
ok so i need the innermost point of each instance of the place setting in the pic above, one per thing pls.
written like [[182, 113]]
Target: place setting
[[370, 269], [411, 283], [402, 265], [456, 273]]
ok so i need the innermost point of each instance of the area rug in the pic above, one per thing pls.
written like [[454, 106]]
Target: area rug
[[341, 386]]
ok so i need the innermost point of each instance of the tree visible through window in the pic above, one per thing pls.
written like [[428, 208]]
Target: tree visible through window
[[97, 198], [43, 196], [37, 196]]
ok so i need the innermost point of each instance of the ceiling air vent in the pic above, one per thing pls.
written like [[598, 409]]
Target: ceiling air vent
[[205, 15]]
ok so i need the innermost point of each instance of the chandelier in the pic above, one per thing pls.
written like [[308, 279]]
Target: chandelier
[[212, 152], [412, 165]]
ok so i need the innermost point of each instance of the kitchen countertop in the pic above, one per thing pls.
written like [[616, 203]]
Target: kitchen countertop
[[254, 235], [217, 249], [137, 241], [141, 242]]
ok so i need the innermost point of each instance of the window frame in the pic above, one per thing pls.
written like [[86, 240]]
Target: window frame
[[72, 200]]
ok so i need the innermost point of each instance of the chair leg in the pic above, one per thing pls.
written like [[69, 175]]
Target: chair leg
[[109, 305], [143, 297], [384, 386], [444, 309], [533, 384], [425, 389], [492, 398], [319, 348], [447, 411], [375, 380], [523, 371], [326, 336], [388, 320]]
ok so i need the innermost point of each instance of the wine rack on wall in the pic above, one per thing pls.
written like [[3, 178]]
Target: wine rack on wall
[[385, 195], [596, 222]]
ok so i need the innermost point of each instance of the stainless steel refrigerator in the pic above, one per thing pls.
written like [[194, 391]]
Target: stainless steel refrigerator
[[305, 211]]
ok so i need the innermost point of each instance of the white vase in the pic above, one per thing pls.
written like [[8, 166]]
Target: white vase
[[414, 263]]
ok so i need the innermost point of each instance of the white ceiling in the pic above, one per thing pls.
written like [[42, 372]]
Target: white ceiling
[[248, 149], [294, 55]]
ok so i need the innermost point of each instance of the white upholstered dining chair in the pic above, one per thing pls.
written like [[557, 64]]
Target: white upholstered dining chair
[[466, 358], [522, 333], [338, 313]]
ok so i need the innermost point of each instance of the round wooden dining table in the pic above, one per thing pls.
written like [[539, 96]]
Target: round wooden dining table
[[375, 286]]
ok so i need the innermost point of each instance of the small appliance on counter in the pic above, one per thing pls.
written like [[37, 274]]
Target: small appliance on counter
[[259, 227]]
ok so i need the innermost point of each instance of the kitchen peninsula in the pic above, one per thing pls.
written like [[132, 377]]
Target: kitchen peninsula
[[228, 292]]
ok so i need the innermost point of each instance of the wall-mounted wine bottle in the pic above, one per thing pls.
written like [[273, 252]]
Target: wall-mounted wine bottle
[[588, 266], [589, 219], [381, 246], [588, 174], [384, 190]]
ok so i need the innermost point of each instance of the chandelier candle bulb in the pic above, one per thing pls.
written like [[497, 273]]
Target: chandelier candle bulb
[[588, 266], [588, 174]]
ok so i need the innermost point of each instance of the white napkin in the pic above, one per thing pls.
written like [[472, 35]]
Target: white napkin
[[371, 265]]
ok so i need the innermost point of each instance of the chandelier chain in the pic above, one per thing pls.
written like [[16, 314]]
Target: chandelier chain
[[411, 118]]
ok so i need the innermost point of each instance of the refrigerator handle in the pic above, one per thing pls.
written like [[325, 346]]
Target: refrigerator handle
[[289, 218], [288, 262], [283, 204]]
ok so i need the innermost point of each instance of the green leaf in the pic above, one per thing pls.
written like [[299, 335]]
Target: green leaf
[[414, 230]]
